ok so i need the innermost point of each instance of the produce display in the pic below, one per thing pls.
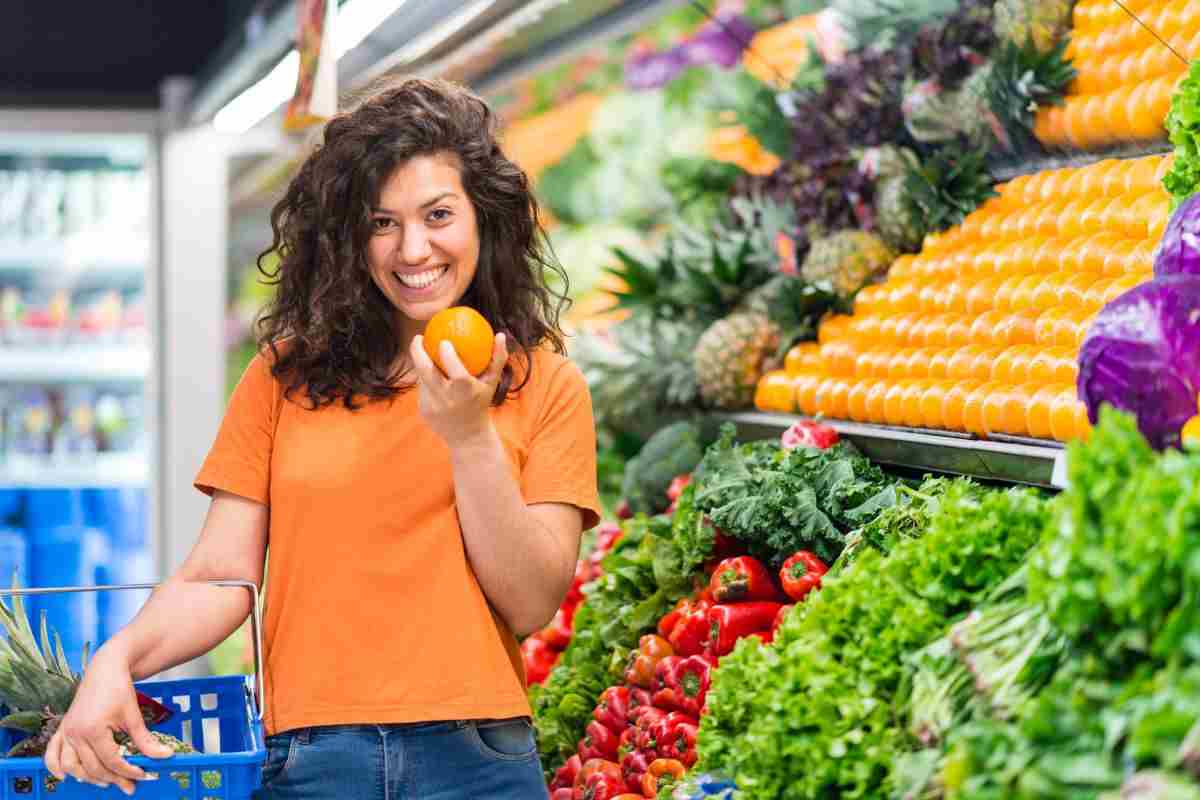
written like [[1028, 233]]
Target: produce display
[[784, 619]]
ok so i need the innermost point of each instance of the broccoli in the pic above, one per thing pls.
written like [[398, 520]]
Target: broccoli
[[673, 450]]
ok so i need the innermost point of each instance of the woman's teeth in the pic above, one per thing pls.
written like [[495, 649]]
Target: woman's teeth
[[421, 279]]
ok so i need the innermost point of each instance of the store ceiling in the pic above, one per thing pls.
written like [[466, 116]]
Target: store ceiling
[[114, 54]]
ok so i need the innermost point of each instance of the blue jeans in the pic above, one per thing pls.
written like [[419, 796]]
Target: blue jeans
[[464, 760]]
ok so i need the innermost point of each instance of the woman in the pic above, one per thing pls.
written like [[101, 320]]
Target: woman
[[418, 521]]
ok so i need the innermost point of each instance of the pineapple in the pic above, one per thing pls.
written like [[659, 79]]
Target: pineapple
[[847, 259], [1042, 22], [897, 219], [37, 686], [731, 356]]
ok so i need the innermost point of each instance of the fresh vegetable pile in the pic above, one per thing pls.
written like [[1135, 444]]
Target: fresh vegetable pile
[[1084, 675], [811, 716]]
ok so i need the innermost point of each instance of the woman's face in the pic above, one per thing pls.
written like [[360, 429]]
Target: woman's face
[[424, 245]]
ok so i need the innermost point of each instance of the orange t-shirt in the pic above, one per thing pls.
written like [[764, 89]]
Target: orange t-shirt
[[373, 613]]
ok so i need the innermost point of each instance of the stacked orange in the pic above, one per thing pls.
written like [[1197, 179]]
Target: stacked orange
[[1126, 75], [980, 332]]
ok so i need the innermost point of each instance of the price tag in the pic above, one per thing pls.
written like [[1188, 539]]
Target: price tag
[[1058, 477]]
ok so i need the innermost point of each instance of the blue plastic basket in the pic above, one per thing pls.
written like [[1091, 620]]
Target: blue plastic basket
[[217, 716]]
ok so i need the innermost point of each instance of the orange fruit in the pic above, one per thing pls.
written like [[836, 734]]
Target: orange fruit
[[876, 394], [981, 295], [871, 299], [958, 329], [1000, 409], [774, 392], [1066, 366], [936, 328], [1042, 366], [1083, 424], [913, 393], [856, 400], [1063, 414], [932, 400], [954, 404], [833, 326], [806, 392], [470, 334], [865, 329], [897, 365], [1141, 257], [1005, 363], [902, 295], [893, 403], [802, 357], [823, 397], [1094, 297], [904, 326], [1045, 293], [1074, 287], [961, 364], [1073, 326], [1120, 257], [1160, 214], [837, 402], [1037, 411], [981, 367], [939, 362], [902, 267], [973, 408], [954, 297], [1046, 326], [1122, 285], [1148, 106], [1020, 327]]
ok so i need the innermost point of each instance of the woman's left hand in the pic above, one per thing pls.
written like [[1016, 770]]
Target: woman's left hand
[[455, 404]]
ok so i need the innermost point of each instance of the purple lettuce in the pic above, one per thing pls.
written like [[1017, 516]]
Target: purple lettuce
[[721, 41], [651, 70], [1142, 355]]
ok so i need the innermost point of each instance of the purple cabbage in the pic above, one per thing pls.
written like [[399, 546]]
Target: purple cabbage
[[651, 70], [1179, 250], [721, 41], [1142, 355]]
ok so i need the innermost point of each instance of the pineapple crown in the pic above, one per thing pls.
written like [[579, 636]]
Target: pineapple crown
[[1022, 79], [33, 678], [948, 186]]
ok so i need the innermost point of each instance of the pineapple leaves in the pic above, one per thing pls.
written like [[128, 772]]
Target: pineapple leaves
[[948, 186], [1023, 79]]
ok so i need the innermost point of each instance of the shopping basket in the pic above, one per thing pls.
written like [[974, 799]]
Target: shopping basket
[[219, 716]]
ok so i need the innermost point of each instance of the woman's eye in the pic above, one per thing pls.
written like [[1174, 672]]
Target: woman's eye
[[439, 214], [381, 223]]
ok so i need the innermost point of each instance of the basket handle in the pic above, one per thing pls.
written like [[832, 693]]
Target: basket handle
[[255, 616]]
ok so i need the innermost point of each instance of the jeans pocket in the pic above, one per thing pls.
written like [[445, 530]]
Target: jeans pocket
[[504, 740], [281, 753]]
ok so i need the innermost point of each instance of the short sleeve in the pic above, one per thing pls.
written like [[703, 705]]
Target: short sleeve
[[240, 459], [560, 466]]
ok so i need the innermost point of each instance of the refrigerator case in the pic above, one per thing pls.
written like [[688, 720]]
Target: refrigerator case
[[76, 443]]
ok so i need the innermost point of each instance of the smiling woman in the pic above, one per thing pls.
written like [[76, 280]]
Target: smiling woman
[[420, 516]]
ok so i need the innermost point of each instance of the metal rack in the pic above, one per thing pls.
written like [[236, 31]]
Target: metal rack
[[1009, 459]]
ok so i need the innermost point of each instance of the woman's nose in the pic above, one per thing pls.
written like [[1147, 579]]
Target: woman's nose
[[415, 249]]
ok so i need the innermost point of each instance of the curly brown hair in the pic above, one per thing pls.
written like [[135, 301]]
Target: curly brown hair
[[330, 330]]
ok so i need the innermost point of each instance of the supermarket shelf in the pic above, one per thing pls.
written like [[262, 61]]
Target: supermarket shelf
[[103, 471], [74, 363], [80, 254], [1012, 460], [1009, 170]]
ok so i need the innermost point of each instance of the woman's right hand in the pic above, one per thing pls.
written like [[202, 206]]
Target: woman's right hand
[[83, 746]]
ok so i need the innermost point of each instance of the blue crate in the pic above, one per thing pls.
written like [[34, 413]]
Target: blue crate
[[214, 715]]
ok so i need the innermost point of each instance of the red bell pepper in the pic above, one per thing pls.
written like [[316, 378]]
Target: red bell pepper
[[779, 618], [623, 510], [566, 774], [666, 729], [598, 742], [801, 573], [807, 433], [595, 766], [732, 622], [664, 673], [667, 623], [613, 709], [558, 633], [663, 772], [651, 649], [602, 786], [625, 743], [678, 484], [742, 579], [724, 545], [562, 794], [680, 743], [765, 637], [691, 631], [539, 659], [633, 767], [647, 724], [693, 677], [638, 697]]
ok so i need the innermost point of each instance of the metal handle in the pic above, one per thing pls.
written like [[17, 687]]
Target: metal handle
[[255, 616]]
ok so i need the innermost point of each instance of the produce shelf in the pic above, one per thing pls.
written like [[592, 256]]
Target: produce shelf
[[103, 471], [1010, 459], [1006, 171], [73, 363], [120, 254]]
